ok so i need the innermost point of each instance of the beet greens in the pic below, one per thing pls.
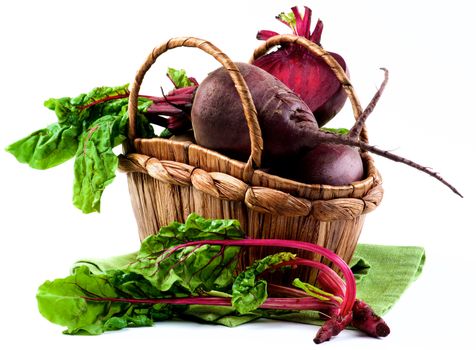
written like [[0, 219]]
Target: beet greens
[[195, 265]]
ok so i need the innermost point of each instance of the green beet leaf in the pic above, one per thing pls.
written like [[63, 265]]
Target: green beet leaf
[[89, 127], [155, 272], [64, 302], [179, 78], [190, 270], [96, 164], [249, 292], [86, 107], [47, 147], [208, 267], [195, 228]]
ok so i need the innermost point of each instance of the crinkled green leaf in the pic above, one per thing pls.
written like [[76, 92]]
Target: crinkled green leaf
[[249, 292], [195, 228], [96, 163], [74, 111], [63, 301], [47, 147], [179, 77], [89, 127], [185, 272], [193, 269]]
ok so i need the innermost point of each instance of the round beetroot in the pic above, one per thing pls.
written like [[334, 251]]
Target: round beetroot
[[307, 75], [329, 164], [287, 124]]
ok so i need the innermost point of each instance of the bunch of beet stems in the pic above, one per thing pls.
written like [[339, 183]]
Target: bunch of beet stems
[[337, 304]]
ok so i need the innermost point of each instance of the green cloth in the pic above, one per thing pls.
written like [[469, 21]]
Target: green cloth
[[382, 274], [390, 271]]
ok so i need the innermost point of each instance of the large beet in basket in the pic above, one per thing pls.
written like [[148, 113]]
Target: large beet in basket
[[169, 179]]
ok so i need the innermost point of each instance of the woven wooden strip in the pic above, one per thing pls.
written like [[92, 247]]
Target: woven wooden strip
[[373, 198], [219, 185], [267, 200], [134, 164], [202, 181], [337, 209], [261, 199], [229, 187], [171, 172]]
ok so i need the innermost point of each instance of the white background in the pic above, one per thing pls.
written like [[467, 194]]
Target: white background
[[427, 113]]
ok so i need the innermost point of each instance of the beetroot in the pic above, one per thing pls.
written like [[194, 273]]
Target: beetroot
[[307, 75], [219, 123], [329, 164]]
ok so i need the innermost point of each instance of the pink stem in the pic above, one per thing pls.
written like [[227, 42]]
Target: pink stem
[[350, 290], [333, 281], [304, 303], [278, 290]]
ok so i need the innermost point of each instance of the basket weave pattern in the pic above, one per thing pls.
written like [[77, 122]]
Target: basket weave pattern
[[169, 179]]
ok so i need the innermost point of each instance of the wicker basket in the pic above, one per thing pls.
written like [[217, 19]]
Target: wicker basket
[[169, 179]]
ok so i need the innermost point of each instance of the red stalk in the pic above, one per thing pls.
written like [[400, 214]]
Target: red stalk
[[329, 278], [350, 290], [300, 303]]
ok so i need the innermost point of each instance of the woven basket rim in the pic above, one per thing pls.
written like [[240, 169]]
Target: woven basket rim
[[356, 189]]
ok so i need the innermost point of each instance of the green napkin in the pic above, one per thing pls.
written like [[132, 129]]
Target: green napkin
[[383, 273]]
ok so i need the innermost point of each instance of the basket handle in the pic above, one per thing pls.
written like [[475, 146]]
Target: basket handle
[[319, 52], [240, 85]]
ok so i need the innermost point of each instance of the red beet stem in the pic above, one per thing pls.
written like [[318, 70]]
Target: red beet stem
[[332, 282], [265, 34], [350, 290], [300, 303], [317, 33]]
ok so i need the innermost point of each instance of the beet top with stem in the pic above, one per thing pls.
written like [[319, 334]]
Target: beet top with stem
[[306, 74]]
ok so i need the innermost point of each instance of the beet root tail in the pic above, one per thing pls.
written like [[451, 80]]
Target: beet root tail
[[366, 320], [332, 327]]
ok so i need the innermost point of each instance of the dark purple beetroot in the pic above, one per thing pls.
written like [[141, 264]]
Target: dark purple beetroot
[[219, 123], [329, 164]]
